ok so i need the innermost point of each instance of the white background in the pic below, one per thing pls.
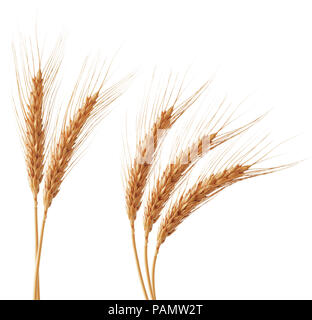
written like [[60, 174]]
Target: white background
[[254, 240]]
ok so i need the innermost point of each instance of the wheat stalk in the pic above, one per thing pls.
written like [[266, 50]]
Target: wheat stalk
[[201, 192], [137, 177], [170, 109], [35, 91], [87, 112]]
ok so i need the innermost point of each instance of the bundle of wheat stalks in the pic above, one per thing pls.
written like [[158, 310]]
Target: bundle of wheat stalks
[[223, 170], [51, 148], [50, 152]]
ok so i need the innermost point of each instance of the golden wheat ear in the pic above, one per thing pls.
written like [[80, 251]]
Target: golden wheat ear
[[167, 107], [36, 92], [88, 105], [36, 86], [223, 172]]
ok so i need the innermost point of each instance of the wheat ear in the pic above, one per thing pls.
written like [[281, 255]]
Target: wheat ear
[[91, 107], [201, 192], [35, 90], [137, 173]]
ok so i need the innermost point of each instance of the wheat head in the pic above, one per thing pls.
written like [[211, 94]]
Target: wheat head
[[35, 134], [204, 190], [36, 88], [90, 109]]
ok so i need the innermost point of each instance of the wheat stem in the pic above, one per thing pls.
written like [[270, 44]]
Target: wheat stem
[[39, 253], [147, 268], [137, 261], [37, 289], [153, 271]]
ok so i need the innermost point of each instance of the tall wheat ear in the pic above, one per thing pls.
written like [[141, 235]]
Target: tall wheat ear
[[225, 170], [88, 105], [36, 88], [167, 107], [211, 135]]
